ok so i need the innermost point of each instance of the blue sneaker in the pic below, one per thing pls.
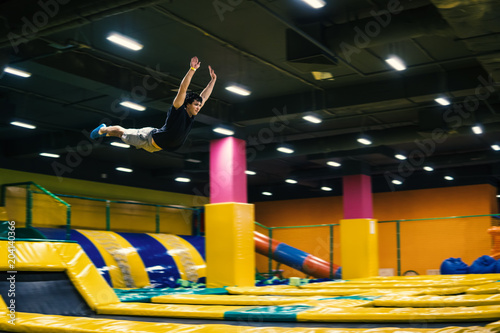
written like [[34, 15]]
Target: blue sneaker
[[95, 133]]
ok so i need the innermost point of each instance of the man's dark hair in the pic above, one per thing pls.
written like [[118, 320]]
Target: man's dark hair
[[191, 97]]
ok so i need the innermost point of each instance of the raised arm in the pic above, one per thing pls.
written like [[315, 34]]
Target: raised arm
[[205, 94], [181, 94]]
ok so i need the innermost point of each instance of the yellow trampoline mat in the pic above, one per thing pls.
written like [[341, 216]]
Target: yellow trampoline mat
[[229, 299]]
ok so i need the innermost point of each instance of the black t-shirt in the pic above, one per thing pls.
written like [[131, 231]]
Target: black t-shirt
[[174, 133]]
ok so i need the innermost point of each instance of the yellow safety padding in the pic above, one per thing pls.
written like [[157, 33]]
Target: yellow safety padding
[[107, 246], [229, 299], [3, 310], [444, 291], [489, 288], [85, 276], [229, 244], [336, 303], [30, 256], [189, 262], [167, 310], [292, 291], [364, 314], [37, 323], [400, 284], [437, 301], [381, 292]]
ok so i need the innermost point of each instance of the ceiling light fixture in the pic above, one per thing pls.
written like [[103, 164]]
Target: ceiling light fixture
[[50, 155], [182, 179], [291, 181], [365, 140], [477, 129], [312, 119], [24, 125], [192, 160], [397, 182], [124, 41], [132, 105], [122, 169], [495, 147], [333, 164], [326, 188], [120, 145], [284, 148], [250, 172], [448, 177], [400, 157], [320, 76], [316, 4], [396, 63], [238, 90], [428, 168], [442, 101], [223, 130], [15, 71], [267, 193]]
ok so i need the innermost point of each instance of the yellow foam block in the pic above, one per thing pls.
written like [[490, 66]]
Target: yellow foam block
[[167, 310], [444, 291], [291, 291], [230, 245], [437, 301], [331, 314], [85, 276], [228, 299]]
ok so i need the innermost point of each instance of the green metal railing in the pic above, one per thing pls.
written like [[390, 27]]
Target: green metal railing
[[33, 188], [331, 234], [29, 203]]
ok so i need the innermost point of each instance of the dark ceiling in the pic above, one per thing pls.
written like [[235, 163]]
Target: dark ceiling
[[451, 49]]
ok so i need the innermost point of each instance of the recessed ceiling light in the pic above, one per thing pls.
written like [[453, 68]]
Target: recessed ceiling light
[[316, 4], [132, 105], [428, 168], [400, 157], [122, 169], [326, 188], [24, 125], [250, 172], [15, 71], [124, 41], [333, 164], [312, 119], [120, 144], [192, 160], [222, 130], [320, 76], [365, 141], [396, 63], [442, 101], [448, 177], [495, 147], [477, 129], [238, 90], [267, 193], [397, 182], [291, 181], [50, 155], [182, 179], [285, 149]]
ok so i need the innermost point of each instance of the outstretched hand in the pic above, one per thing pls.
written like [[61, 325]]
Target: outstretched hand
[[212, 73], [195, 63]]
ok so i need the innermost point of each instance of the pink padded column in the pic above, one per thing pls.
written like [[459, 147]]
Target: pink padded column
[[228, 181], [357, 197]]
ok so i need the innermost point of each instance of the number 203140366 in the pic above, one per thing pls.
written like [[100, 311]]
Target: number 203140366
[[11, 236]]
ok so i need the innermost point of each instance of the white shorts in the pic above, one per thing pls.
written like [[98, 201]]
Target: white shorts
[[141, 138]]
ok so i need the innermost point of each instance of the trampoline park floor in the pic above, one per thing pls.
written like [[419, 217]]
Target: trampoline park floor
[[58, 289]]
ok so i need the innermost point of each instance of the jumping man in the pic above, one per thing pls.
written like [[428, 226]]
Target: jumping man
[[180, 117]]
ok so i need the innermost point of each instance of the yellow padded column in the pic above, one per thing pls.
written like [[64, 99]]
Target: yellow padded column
[[359, 248], [230, 247]]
